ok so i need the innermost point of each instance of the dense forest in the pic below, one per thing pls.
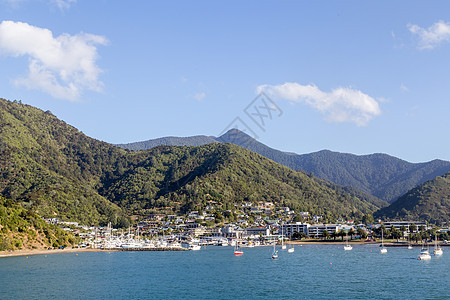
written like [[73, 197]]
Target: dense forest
[[429, 201], [22, 228]]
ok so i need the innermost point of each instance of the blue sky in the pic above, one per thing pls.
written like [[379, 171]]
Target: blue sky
[[349, 76]]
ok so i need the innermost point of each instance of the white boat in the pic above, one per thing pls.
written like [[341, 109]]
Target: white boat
[[347, 246], [291, 247], [424, 254], [131, 245], [437, 250], [194, 247], [283, 246], [383, 249], [275, 252], [409, 244], [174, 245]]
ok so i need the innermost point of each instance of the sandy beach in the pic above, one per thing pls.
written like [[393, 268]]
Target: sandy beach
[[46, 252]]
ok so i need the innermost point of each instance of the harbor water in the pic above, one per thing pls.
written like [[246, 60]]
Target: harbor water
[[311, 272]]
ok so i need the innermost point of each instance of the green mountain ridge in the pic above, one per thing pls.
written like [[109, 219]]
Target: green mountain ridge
[[429, 201], [380, 175], [55, 170]]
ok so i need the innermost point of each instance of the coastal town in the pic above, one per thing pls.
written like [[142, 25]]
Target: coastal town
[[248, 225]]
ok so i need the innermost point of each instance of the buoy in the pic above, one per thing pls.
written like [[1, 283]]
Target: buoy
[[331, 263]]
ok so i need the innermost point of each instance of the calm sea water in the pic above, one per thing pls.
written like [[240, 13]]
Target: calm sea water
[[311, 272]]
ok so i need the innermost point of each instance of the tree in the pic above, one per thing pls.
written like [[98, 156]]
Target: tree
[[351, 232], [367, 219], [403, 229], [421, 228], [298, 235], [325, 234], [334, 235], [396, 234], [412, 228], [361, 233]]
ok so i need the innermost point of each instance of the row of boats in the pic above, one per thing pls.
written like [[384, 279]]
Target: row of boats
[[239, 252], [424, 252]]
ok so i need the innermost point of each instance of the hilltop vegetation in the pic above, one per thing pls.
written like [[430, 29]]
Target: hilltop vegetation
[[52, 168], [23, 229], [197, 140], [429, 201], [188, 178], [55, 170]]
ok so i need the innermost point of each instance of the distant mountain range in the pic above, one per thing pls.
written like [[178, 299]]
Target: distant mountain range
[[380, 175], [197, 140], [429, 201]]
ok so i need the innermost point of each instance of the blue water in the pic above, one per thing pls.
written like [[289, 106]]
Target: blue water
[[311, 272]]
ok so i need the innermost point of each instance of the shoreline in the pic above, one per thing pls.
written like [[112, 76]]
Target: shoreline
[[30, 252]]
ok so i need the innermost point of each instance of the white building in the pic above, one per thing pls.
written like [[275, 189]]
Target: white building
[[317, 230], [289, 229]]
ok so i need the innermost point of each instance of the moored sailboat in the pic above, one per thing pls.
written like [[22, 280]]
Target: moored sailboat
[[383, 249], [347, 246], [424, 254], [437, 250], [237, 250], [275, 252]]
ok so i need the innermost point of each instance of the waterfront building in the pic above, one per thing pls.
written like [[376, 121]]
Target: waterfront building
[[317, 230], [290, 229], [407, 224]]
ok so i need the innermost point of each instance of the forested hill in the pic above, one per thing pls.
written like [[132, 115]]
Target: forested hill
[[55, 170], [429, 201], [380, 175], [188, 178], [22, 228]]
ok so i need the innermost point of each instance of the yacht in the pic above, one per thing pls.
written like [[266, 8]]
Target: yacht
[[194, 247], [383, 249], [347, 246], [437, 250], [275, 252], [424, 254], [237, 250]]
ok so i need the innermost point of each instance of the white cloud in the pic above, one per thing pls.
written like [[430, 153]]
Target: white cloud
[[62, 66], [63, 4], [404, 87], [339, 105], [200, 96], [432, 37]]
